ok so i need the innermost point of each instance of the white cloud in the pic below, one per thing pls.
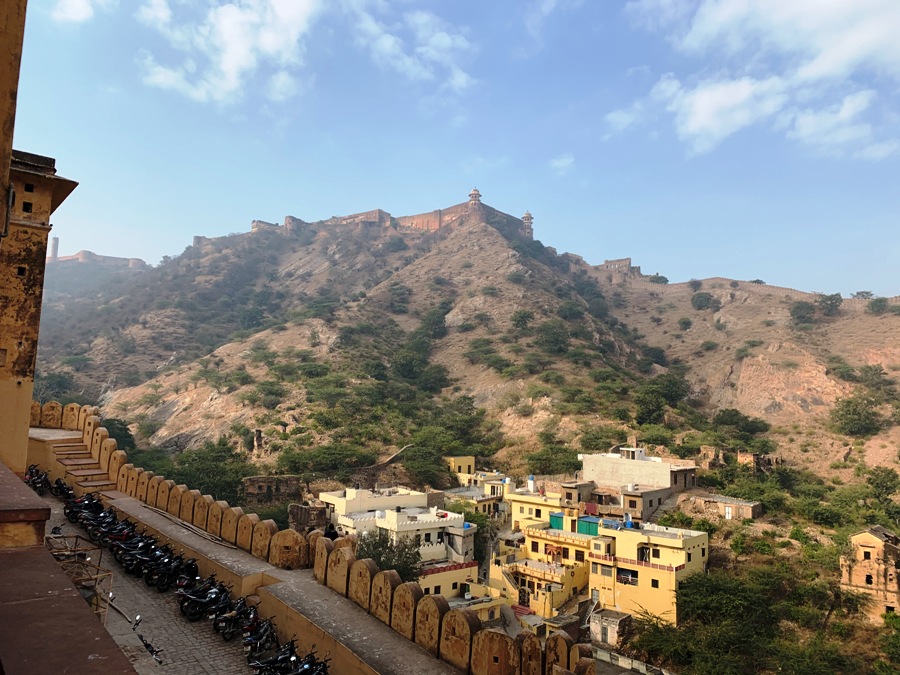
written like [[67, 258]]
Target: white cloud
[[562, 163], [76, 11], [715, 109], [420, 46], [621, 119], [229, 46], [773, 58]]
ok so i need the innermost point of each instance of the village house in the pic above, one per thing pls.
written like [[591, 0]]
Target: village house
[[445, 540]]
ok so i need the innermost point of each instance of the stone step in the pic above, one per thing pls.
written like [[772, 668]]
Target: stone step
[[83, 486], [87, 474], [68, 446], [80, 462], [69, 452]]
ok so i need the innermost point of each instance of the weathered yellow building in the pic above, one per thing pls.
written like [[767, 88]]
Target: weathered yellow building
[[635, 569], [873, 568], [30, 191]]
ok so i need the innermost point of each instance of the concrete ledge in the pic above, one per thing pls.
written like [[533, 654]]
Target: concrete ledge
[[23, 515], [45, 624], [231, 565]]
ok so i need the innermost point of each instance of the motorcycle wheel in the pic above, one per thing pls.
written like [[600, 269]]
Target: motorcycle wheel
[[54, 491], [228, 633], [40, 490], [163, 583], [194, 613]]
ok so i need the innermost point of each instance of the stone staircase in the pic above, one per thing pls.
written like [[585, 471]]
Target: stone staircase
[[80, 468]]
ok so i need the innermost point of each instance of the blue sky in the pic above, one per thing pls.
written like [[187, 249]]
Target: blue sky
[[741, 138]]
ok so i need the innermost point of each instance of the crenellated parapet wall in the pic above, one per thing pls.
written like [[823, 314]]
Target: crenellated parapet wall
[[71, 443], [723, 284]]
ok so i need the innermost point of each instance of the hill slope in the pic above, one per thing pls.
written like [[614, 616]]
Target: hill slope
[[278, 328]]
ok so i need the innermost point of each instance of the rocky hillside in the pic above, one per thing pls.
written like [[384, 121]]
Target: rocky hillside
[[305, 333]]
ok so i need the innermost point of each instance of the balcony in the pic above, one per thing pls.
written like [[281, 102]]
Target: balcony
[[627, 580]]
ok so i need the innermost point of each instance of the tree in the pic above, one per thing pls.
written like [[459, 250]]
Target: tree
[[803, 312], [521, 318], [570, 310], [553, 337], [703, 300], [695, 285], [598, 308], [855, 416], [877, 306], [658, 279], [118, 429], [401, 555], [433, 323], [830, 305], [685, 323], [651, 407], [884, 482], [863, 295]]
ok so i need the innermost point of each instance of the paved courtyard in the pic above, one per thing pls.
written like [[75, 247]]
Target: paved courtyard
[[188, 648]]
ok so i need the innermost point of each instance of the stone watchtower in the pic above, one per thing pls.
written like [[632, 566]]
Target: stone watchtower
[[474, 197], [528, 221]]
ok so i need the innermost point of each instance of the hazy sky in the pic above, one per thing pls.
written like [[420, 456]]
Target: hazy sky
[[741, 138]]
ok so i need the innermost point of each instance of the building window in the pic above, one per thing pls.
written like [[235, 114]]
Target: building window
[[703, 552], [534, 547], [888, 609], [565, 552], [867, 555], [530, 511], [655, 553], [426, 591], [689, 557], [455, 585], [26, 207], [569, 496], [643, 554], [21, 270], [594, 568], [428, 537], [579, 556], [650, 504], [654, 583], [869, 580], [521, 509], [437, 590], [537, 513], [606, 570], [632, 504], [29, 187], [491, 616]]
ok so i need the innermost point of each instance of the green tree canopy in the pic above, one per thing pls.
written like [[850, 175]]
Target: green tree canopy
[[401, 555], [856, 416], [830, 305]]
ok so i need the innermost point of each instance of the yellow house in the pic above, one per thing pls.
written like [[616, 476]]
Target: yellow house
[[873, 568], [24, 229], [464, 464], [640, 568], [530, 505]]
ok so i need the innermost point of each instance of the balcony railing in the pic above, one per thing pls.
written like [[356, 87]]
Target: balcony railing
[[630, 561], [628, 581]]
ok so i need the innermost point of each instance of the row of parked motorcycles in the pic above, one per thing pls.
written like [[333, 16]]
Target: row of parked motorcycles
[[39, 481], [161, 567]]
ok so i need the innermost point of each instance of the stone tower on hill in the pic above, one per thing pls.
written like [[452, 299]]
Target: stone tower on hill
[[472, 210]]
